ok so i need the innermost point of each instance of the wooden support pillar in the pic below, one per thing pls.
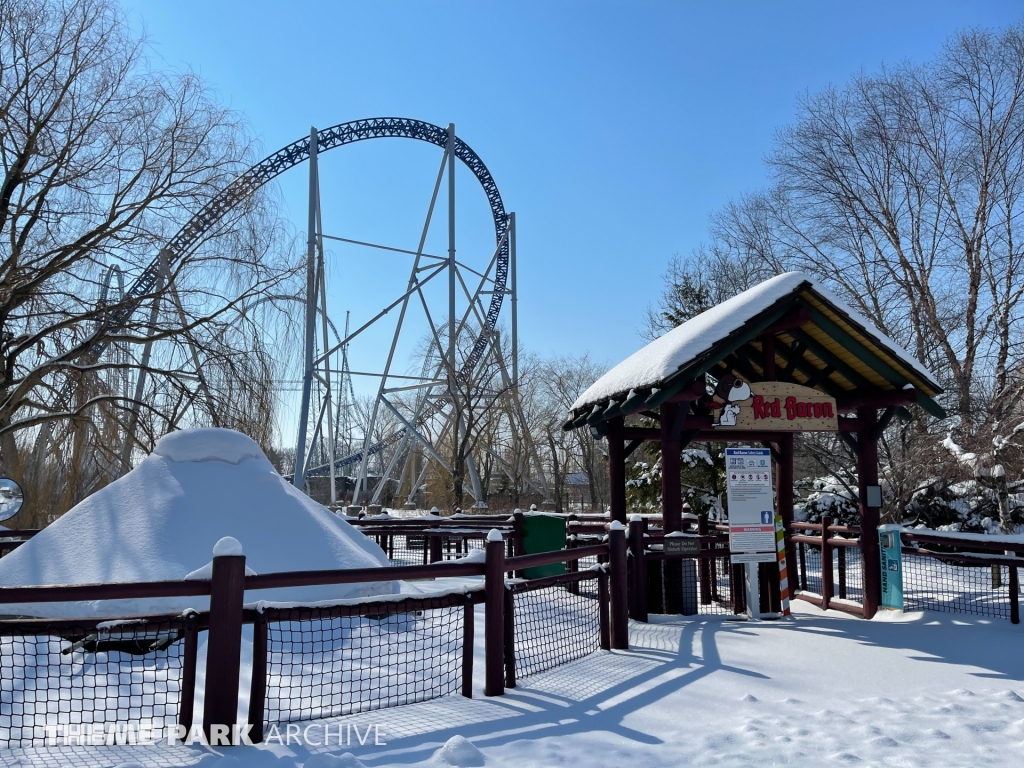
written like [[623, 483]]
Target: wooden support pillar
[[617, 469], [638, 591], [224, 642], [785, 497], [827, 580], [617, 565], [867, 475], [704, 564], [671, 501], [494, 615], [671, 491]]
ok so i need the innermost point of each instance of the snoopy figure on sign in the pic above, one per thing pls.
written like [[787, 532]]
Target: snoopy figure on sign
[[738, 392]]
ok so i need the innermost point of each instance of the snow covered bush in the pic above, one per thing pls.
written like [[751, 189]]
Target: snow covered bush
[[826, 496]]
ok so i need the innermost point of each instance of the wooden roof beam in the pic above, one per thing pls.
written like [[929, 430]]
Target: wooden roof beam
[[797, 316]]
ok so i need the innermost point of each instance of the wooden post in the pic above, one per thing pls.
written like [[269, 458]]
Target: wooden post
[[1014, 599], [867, 475], [671, 501], [617, 469], [518, 526], [619, 587], [258, 686], [803, 567], [602, 610], [572, 566], [509, 640], [785, 497], [518, 541], [468, 636], [434, 542], [704, 564], [224, 642], [638, 597], [826, 563], [494, 615], [188, 672]]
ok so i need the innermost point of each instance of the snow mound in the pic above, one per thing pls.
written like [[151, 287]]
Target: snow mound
[[459, 751], [227, 547], [199, 490], [208, 444]]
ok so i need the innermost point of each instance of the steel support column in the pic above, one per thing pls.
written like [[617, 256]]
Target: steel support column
[[299, 476]]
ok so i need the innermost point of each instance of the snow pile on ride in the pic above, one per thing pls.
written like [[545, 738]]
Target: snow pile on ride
[[162, 520]]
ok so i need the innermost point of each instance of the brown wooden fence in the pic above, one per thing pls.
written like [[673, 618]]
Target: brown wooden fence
[[829, 568], [420, 646]]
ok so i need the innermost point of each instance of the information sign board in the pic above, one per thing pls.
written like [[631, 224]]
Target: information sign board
[[748, 473]]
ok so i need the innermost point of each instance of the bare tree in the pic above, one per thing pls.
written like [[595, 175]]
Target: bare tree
[[904, 191], [564, 379], [103, 160]]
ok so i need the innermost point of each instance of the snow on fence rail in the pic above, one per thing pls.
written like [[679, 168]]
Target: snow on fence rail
[[311, 661]]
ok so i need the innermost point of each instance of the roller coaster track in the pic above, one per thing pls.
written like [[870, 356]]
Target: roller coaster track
[[288, 157]]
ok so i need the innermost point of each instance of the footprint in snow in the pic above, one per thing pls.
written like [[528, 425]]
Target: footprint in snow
[[791, 700], [1010, 696], [846, 757], [748, 698], [885, 741], [962, 692], [936, 733]]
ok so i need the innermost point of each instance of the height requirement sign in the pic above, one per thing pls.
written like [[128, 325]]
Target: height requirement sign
[[748, 474]]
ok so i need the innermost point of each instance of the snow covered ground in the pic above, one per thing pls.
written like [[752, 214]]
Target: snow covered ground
[[914, 690]]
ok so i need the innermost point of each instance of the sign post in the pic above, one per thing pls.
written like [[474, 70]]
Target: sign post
[[748, 473]]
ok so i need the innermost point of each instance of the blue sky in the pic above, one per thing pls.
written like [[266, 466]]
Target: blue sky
[[612, 129]]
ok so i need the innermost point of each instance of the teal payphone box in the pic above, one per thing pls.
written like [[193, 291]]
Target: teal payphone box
[[892, 566]]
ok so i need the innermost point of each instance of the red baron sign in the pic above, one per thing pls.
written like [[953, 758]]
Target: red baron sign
[[776, 406]]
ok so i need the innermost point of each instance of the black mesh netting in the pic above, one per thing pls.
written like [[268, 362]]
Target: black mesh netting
[[128, 674], [454, 547], [553, 625], [320, 664], [702, 585], [809, 558], [409, 549], [934, 584], [404, 549], [849, 574]]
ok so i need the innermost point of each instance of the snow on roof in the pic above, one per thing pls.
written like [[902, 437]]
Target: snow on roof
[[162, 520], [667, 354]]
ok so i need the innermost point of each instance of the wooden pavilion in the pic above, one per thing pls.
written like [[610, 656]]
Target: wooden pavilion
[[799, 358]]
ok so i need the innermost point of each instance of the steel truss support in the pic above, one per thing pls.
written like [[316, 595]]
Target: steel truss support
[[440, 398]]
